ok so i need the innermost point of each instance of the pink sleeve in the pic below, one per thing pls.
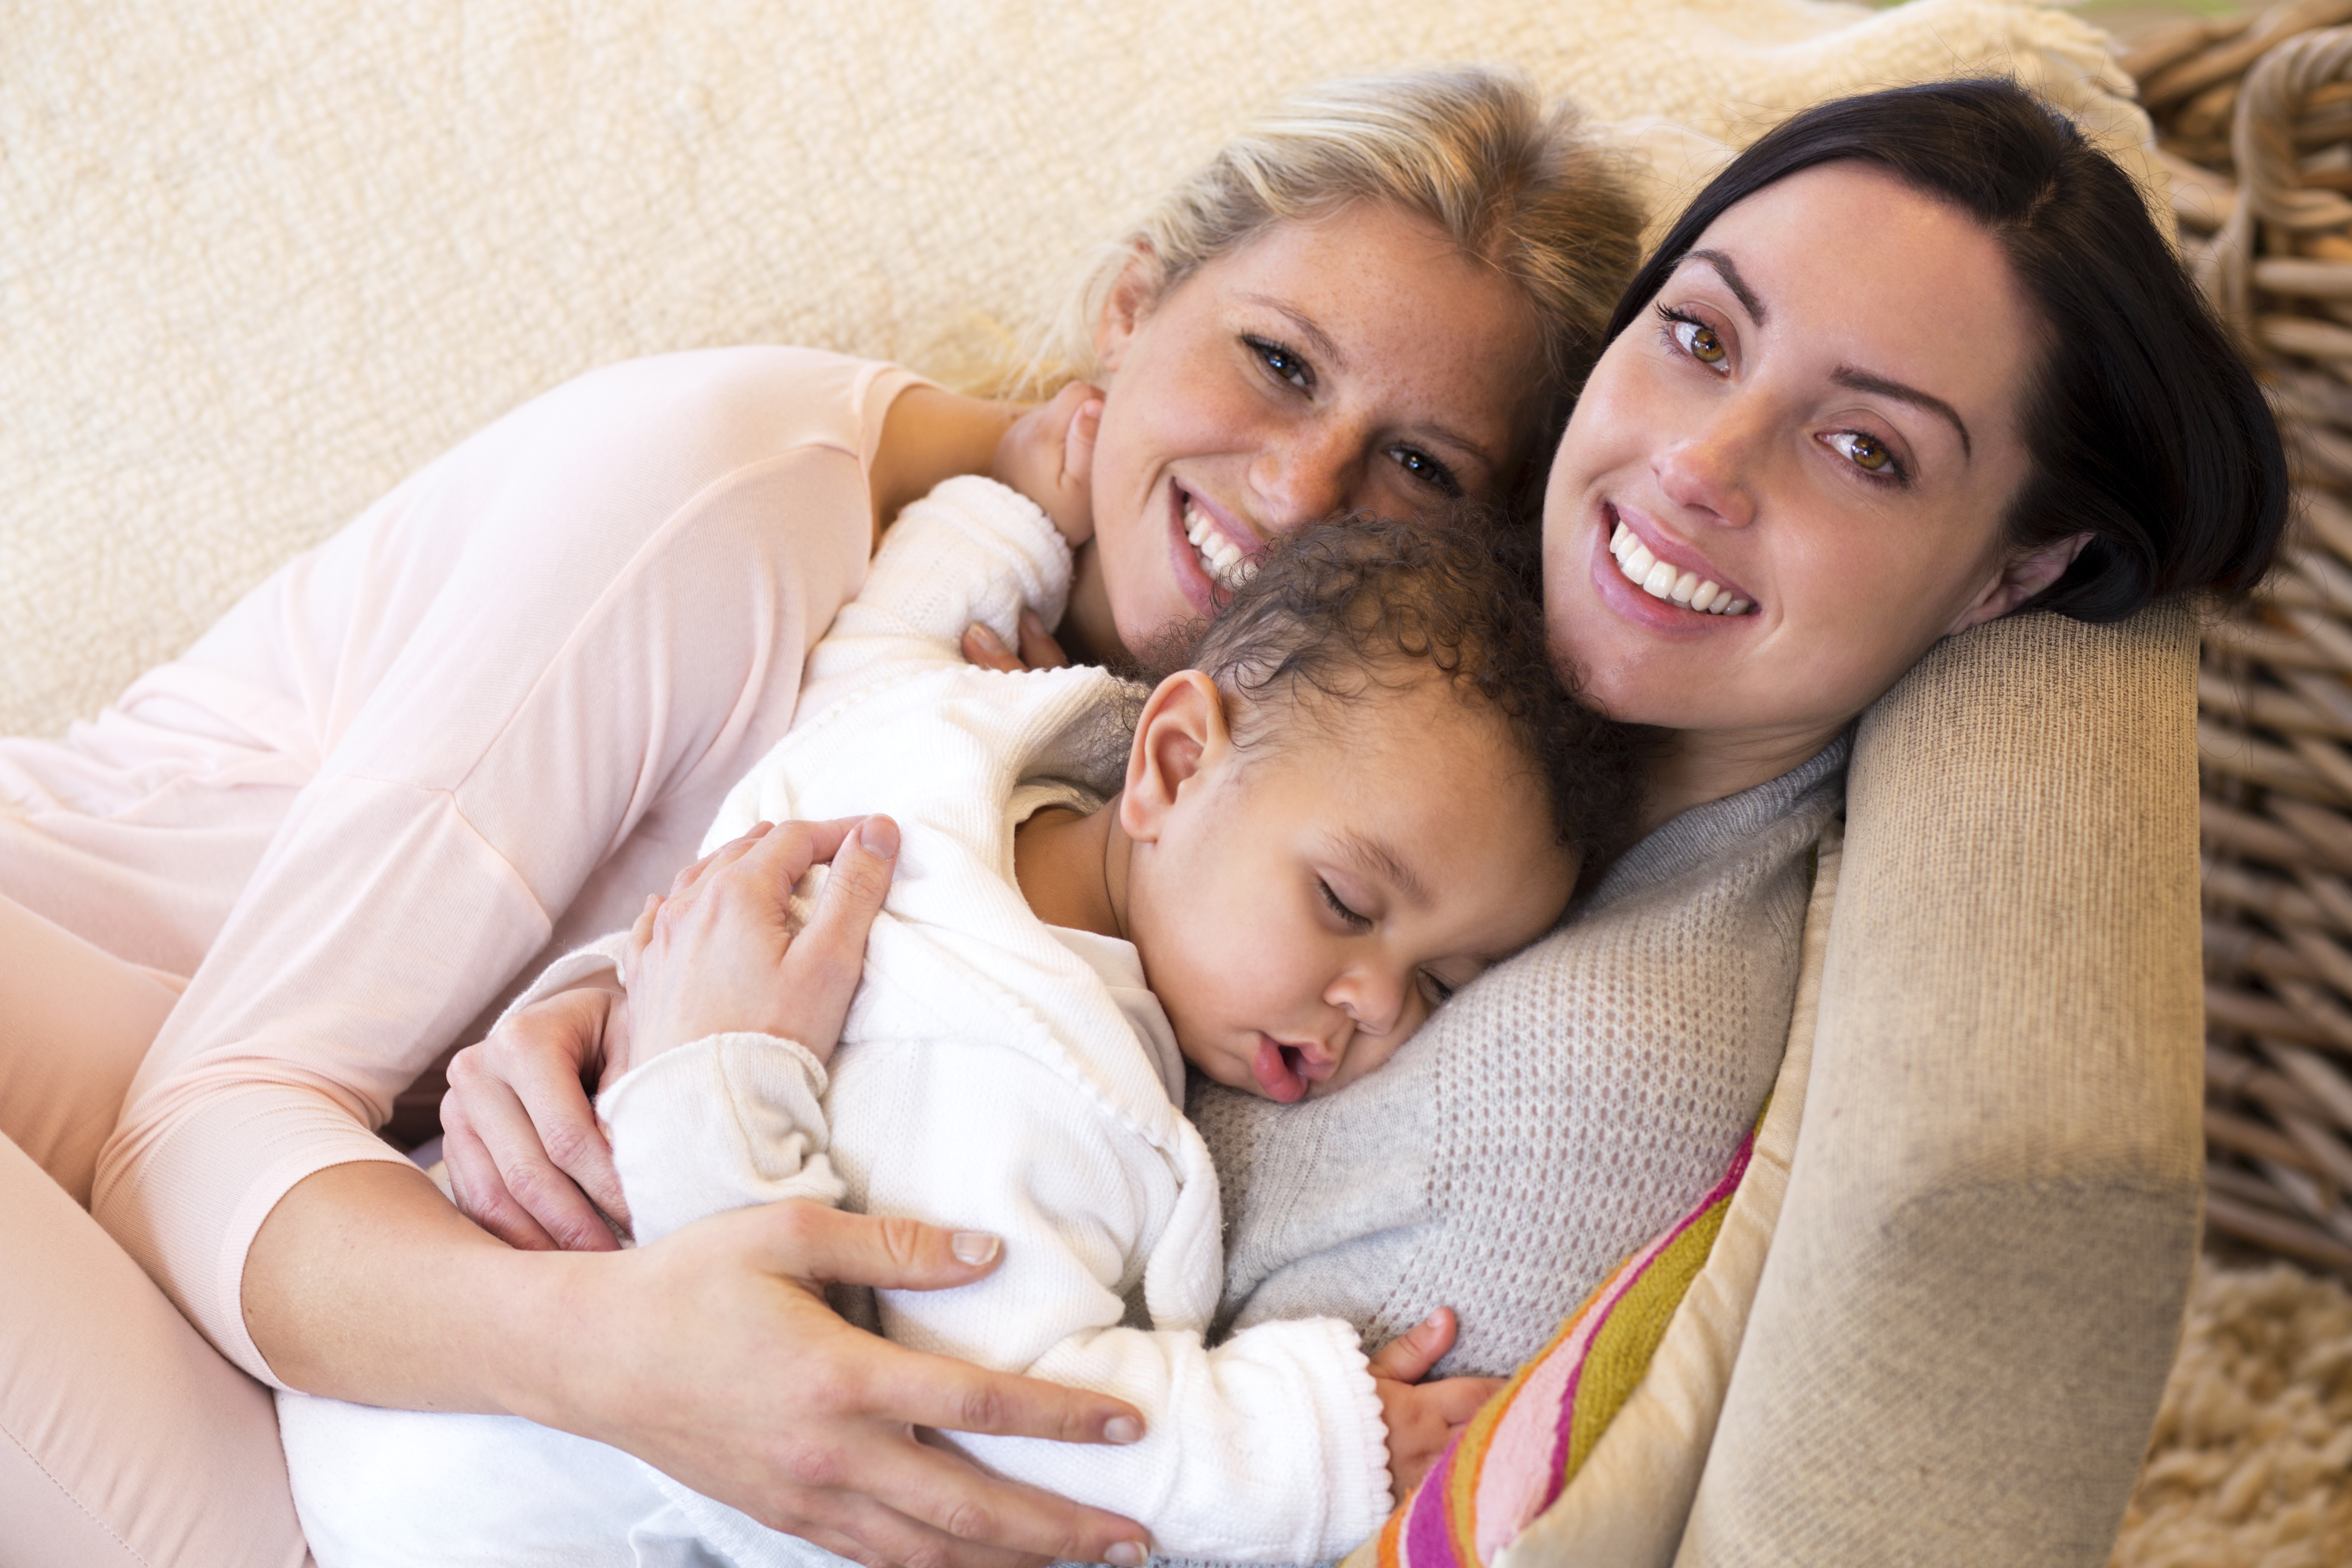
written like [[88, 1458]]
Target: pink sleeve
[[531, 673]]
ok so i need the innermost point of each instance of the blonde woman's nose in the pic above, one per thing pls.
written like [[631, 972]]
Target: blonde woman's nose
[[1302, 476]]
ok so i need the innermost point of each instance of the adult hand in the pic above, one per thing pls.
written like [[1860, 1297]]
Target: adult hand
[[700, 1334], [1038, 650], [526, 1161], [719, 954]]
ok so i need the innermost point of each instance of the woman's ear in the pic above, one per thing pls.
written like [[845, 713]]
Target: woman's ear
[[2024, 576], [1181, 735], [1128, 301]]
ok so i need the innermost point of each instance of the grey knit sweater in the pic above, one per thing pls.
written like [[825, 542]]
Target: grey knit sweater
[[1554, 1116]]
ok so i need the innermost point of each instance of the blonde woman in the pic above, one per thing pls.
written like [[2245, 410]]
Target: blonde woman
[[481, 721]]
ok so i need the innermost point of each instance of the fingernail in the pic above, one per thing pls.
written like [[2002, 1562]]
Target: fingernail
[[974, 1247], [986, 638], [1127, 1554], [1122, 1429], [880, 836]]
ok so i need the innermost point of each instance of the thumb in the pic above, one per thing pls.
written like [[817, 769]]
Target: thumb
[[1078, 440], [1408, 1356]]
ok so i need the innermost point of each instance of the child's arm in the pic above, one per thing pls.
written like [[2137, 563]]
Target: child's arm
[[1269, 1446], [973, 551]]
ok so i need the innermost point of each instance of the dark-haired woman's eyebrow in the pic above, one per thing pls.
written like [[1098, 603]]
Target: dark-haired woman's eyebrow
[[1863, 381], [1728, 270]]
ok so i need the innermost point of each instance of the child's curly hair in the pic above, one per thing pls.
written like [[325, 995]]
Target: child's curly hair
[[1345, 608]]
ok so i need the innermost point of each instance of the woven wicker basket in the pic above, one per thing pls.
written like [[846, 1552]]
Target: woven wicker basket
[[2253, 116]]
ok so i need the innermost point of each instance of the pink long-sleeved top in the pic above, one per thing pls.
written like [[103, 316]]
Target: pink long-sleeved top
[[475, 727]]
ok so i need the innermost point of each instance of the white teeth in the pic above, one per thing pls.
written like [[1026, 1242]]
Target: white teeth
[[1661, 581], [1221, 558]]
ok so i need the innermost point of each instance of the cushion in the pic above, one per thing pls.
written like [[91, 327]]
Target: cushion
[[265, 257]]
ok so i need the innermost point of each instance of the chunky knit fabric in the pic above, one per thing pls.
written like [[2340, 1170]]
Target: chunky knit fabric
[[1555, 1116]]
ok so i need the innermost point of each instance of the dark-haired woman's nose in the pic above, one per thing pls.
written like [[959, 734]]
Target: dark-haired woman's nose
[[1708, 472], [1302, 476]]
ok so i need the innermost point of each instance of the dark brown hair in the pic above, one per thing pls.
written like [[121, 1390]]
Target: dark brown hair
[[1345, 609]]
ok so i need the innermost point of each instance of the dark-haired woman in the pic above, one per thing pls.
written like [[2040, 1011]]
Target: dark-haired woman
[[1914, 360]]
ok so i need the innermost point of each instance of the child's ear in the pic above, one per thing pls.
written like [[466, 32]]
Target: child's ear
[[1131, 298], [1181, 735]]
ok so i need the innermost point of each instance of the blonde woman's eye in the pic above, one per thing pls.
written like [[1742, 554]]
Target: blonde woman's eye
[[1427, 469], [1867, 453], [1285, 364]]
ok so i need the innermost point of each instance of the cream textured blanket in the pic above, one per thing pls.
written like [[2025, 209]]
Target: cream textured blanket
[[258, 259]]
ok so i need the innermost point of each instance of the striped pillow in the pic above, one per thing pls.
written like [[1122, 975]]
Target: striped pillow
[[1520, 1451]]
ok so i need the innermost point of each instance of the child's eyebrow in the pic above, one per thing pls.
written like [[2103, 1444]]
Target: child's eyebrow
[[1375, 858]]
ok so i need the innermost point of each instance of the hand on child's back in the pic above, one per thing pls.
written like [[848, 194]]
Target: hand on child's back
[[1422, 1417]]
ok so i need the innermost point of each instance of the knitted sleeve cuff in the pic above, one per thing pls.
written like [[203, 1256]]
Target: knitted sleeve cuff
[[724, 1122]]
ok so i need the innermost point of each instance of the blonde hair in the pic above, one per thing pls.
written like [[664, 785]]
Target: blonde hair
[[1472, 149]]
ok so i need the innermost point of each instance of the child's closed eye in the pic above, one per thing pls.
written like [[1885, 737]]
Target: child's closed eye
[[1360, 922]]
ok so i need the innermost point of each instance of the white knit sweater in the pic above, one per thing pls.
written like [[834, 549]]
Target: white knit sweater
[[989, 1079]]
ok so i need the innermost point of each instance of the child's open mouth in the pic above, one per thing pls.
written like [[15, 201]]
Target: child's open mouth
[[1276, 1067]]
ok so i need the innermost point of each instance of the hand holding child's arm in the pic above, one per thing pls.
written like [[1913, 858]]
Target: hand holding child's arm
[[1422, 1417]]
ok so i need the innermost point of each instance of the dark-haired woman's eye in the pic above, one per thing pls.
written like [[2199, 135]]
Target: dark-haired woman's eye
[[1694, 337], [1868, 453], [1347, 915], [1428, 470], [1285, 364]]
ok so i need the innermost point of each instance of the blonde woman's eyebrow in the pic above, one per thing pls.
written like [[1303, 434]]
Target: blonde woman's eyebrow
[[1321, 344]]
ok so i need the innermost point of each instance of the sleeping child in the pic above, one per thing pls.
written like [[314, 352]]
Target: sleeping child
[[1363, 786]]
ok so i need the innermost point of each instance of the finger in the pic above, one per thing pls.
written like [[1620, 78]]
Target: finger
[[986, 649], [931, 1497], [1408, 1356], [641, 931], [1464, 1397], [523, 1198], [719, 859], [1038, 648], [565, 1123], [785, 856], [827, 959], [478, 1193], [1078, 440]]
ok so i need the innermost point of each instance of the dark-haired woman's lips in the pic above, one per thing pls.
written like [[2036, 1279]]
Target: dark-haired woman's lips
[[1690, 588]]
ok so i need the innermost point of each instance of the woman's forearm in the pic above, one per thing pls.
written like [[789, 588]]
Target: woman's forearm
[[363, 1284], [711, 1355]]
